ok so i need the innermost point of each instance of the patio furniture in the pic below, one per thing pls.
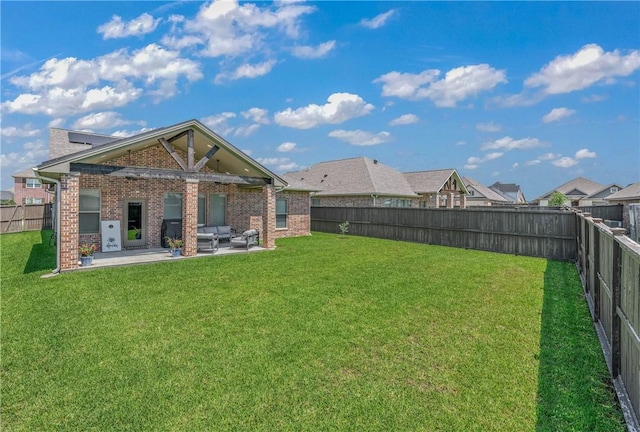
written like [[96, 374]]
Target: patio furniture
[[208, 238], [246, 240], [224, 232]]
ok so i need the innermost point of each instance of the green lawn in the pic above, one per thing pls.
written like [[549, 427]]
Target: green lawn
[[324, 333]]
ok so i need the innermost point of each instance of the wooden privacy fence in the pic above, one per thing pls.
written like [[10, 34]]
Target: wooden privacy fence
[[538, 233], [605, 212], [25, 218], [609, 265]]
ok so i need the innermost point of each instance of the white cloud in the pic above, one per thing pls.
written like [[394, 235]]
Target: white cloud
[[532, 162], [128, 133], [246, 71], [549, 156], [246, 131], [584, 154], [219, 123], [557, 114], [21, 132], [377, 21], [586, 67], [57, 122], [31, 154], [71, 86], [564, 162], [458, 84], [508, 143], [257, 115], [286, 147], [116, 28], [404, 119], [228, 28], [339, 108], [594, 98], [360, 137], [309, 52], [103, 120], [488, 127], [473, 161], [280, 164]]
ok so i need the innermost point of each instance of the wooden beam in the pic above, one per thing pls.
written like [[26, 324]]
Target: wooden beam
[[190, 150], [180, 135], [166, 174], [206, 158], [173, 153]]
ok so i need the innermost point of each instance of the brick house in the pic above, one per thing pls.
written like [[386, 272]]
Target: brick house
[[28, 189], [184, 171]]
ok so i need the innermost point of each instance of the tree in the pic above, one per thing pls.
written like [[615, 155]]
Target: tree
[[557, 199]]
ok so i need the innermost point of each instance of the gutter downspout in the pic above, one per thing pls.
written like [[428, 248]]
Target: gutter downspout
[[374, 199], [56, 270]]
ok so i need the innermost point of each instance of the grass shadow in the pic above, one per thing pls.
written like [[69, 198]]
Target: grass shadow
[[42, 255], [574, 386]]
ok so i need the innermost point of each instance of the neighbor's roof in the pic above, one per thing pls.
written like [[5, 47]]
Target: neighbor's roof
[[432, 181], [28, 173], [631, 192], [506, 187], [356, 176], [488, 193], [228, 159], [581, 184]]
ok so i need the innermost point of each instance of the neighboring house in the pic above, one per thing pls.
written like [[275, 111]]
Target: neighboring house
[[355, 182], [481, 195], [438, 188], [509, 191], [28, 189], [580, 192], [629, 196], [182, 172]]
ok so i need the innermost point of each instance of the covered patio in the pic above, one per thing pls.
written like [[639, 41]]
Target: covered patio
[[151, 255]]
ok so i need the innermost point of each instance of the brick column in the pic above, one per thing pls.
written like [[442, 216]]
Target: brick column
[[190, 218], [268, 234], [69, 221], [437, 205], [463, 200]]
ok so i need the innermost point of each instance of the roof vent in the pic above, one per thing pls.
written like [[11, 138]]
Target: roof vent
[[375, 161]]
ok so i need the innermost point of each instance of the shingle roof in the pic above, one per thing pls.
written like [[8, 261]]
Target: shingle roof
[[356, 176], [488, 193], [431, 181], [631, 192], [584, 185], [506, 187], [28, 173]]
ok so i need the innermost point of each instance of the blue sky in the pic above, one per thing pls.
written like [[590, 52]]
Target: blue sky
[[533, 93]]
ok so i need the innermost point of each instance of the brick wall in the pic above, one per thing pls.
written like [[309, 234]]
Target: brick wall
[[21, 192], [245, 206]]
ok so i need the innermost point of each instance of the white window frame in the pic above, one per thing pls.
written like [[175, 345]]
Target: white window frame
[[32, 183]]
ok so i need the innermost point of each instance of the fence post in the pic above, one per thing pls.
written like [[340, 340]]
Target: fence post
[[587, 252], [616, 323], [596, 269]]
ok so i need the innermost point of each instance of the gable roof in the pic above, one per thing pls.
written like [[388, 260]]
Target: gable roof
[[488, 193], [433, 181], [506, 187], [28, 173], [581, 186], [631, 192], [355, 176], [227, 160], [605, 191]]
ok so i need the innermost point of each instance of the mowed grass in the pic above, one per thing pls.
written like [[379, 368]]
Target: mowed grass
[[324, 333]]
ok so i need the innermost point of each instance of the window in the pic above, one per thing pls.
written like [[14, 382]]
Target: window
[[172, 205], [315, 201], [202, 207], [614, 189], [89, 217], [282, 212], [217, 209], [29, 201], [33, 183]]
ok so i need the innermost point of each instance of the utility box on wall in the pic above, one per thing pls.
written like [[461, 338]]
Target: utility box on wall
[[110, 234]]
